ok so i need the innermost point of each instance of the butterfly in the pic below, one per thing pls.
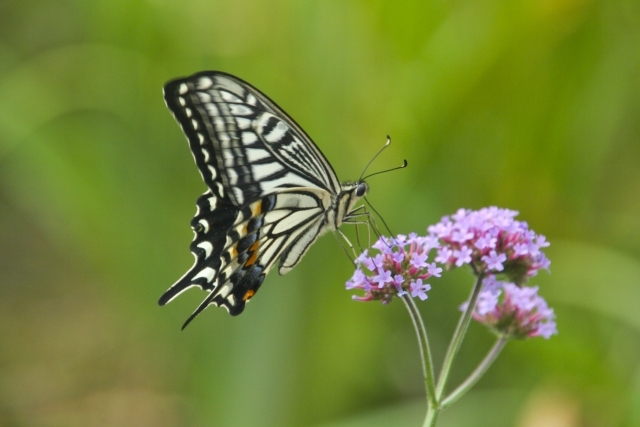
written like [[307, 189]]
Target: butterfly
[[271, 192]]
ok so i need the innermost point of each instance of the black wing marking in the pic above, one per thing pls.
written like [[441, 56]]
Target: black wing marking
[[235, 248], [211, 225], [241, 138], [202, 147]]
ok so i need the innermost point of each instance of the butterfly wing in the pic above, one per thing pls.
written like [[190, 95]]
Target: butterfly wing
[[269, 187], [234, 249], [243, 143]]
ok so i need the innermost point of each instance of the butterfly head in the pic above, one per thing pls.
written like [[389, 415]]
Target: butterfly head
[[348, 197], [354, 190]]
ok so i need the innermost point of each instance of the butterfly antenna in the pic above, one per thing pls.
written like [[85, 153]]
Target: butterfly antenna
[[374, 157], [404, 165]]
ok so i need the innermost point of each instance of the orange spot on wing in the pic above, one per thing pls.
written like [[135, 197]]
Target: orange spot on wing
[[251, 260], [247, 296], [254, 254], [256, 209]]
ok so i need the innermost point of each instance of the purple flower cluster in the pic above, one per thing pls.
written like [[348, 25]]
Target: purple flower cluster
[[400, 268], [492, 242], [517, 312]]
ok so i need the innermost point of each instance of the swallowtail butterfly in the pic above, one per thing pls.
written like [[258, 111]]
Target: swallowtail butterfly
[[271, 192]]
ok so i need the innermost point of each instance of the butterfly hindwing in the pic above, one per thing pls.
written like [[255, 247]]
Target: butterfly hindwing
[[210, 225], [235, 248]]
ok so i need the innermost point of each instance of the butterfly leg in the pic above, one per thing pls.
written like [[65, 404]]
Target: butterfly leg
[[371, 221], [355, 218], [374, 224], [344, 249], [356, 221], [340, 233]]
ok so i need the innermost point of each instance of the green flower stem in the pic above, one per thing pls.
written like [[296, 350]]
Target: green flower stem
[[432, 416], [458, 336], [425, 351], [475, 375]]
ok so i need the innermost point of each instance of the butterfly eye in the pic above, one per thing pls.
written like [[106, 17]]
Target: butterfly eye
[[361, 189]]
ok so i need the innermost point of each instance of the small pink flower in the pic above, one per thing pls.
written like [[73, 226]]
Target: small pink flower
[[494, 261], [419, 290], [490, 240], [399, 269], [513, 311]]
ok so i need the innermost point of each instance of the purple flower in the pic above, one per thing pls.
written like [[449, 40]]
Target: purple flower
[[521, 249], [367, 262], [383, 246], [358, 279], [485, 242], [430, 242], [490, 239], [463, 256], [490, 284], [543, 262], [418, 260], [444, 254], [459, 215], [434, 270], [382, 277], [541, 242], [398, 280], [419, 290], [515, 312], [487, 301], [413, 238], [494, 261], [378, 260], [363, 256], [461, 235], [397, 257], [545, 330], [399, 269]]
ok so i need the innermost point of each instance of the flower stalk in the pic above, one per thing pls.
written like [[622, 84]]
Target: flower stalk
[[425, 350], [475, 375], [458, 336]]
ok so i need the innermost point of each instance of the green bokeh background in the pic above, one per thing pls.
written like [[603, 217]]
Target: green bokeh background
[[532, 105]]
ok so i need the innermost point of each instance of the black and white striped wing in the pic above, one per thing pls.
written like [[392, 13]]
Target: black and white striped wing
[[269, 188], [243, 140], [235, 249]]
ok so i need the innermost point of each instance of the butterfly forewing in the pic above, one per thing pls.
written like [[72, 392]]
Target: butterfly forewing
[[237, 134], [269, 187]]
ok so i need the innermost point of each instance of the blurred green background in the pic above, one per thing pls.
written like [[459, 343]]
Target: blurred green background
[[532, 105]]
